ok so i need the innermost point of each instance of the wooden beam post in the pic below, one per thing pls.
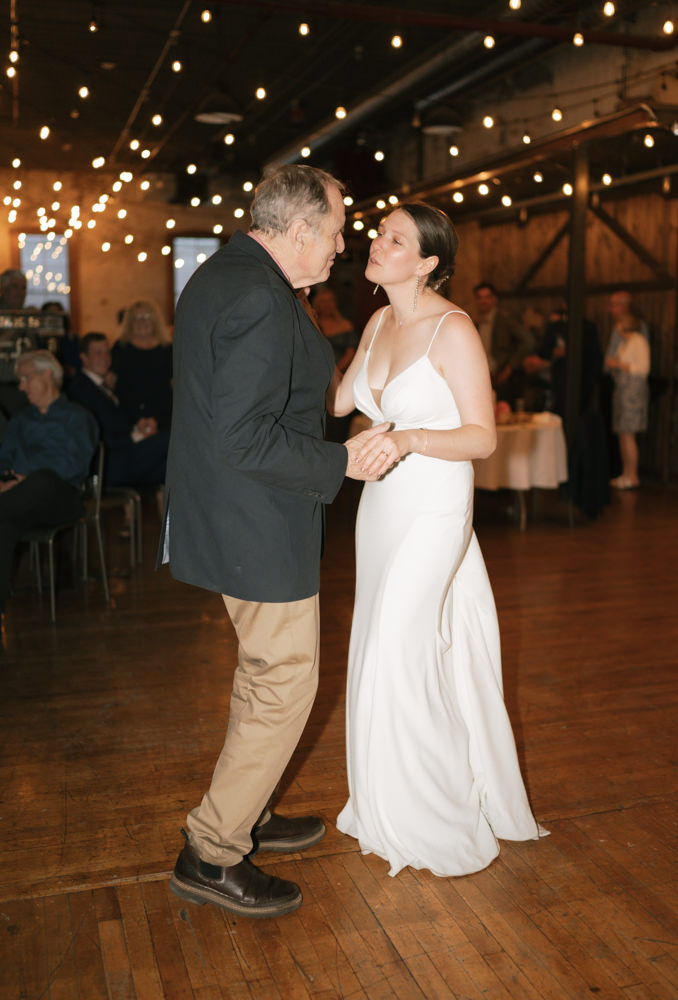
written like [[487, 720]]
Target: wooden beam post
[[576, 288]]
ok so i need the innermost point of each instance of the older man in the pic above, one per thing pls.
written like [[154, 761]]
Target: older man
[[247, 476], [44, 458]]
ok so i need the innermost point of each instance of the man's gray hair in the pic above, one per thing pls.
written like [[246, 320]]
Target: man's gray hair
[[291, 192], [41, 361]]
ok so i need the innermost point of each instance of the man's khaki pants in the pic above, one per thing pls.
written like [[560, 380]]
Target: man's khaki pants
[[274, 686]]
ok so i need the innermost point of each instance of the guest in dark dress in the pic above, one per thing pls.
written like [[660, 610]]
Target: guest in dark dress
[[142, 363]]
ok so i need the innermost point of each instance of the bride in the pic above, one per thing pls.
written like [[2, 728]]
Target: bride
[[433, 774]]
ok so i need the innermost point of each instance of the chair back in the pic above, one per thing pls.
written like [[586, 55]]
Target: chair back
[[94, 484]]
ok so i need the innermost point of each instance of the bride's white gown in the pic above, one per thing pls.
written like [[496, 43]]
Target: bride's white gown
[[433, 774]]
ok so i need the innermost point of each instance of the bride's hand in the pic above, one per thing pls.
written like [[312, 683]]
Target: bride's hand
[[381, 452]]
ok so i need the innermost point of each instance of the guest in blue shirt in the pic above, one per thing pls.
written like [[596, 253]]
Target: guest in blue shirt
[[45, 457]]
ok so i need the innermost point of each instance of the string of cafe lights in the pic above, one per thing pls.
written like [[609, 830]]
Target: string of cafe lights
[[76, 221]]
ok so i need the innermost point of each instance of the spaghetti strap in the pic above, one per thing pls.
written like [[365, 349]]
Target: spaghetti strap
[[374, 335], [435, 332]]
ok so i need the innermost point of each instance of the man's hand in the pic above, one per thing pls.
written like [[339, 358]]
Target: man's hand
[[355, 446]]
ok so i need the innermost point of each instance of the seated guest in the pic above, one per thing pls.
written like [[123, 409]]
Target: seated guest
[[142, 363], [45, 458], [136, 453]]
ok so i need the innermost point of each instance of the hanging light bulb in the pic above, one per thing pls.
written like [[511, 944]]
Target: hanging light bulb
[[206, 16], [305, 151], [393, 199], [488, 42], [606, 179], [177, 66], [129, 239], [557, 115], [14, 56], [488, 121], [537, 177], [44, 132], [217, 229], [649, 140], [304, 29], [156, 120], [458, 197], [260, 93], [191, 168], [567, 188], [668, 27], [166, 250], [98, 162], [145, 185], [506, 200], [379, 155], [105, 247], [454, 150], [578, 38], [358, 225], [57, 186], [340, 112], [527, 138], [514, 4], [16, 163], [83, 92], [216, 199], [142, 256], [93, 26], [397, 42], [381, 203], [238, 213], [348, 201], [483, 189], [609, 9], [229, 139], [195, 201]]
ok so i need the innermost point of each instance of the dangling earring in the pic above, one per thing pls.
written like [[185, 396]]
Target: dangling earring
[[375, 289], [416, 295]]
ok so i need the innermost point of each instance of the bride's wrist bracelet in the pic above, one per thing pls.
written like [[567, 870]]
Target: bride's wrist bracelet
[[422, 451]]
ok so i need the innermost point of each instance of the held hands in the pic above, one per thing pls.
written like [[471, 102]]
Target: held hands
[[376, 451]]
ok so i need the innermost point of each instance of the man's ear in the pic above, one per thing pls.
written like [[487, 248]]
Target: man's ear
[[298, 234]]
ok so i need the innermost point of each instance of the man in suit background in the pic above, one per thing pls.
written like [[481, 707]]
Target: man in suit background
[[247, 476], [505, 340], [136, 455]]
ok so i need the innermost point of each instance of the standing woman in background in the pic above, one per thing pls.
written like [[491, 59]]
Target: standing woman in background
[[630, 367], [142, 363]]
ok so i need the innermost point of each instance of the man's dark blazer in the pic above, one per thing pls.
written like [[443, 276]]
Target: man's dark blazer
[[126, 462], [248, 469]]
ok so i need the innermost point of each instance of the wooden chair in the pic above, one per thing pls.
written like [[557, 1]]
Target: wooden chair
[[46, 536]]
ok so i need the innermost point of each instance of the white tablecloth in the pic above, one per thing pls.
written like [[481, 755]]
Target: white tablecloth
[[531, 453]]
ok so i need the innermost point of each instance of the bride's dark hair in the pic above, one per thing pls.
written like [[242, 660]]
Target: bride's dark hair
[[437, 238]]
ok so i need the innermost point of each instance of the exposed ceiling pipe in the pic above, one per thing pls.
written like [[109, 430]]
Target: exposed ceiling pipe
[[441, 60]]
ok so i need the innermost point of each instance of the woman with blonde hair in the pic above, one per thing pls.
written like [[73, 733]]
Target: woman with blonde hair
[[142, 363]]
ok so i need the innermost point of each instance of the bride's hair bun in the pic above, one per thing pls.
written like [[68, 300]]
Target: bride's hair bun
[[437, 238]]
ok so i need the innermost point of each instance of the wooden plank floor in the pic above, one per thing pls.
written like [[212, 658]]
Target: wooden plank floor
[[113, 718]]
